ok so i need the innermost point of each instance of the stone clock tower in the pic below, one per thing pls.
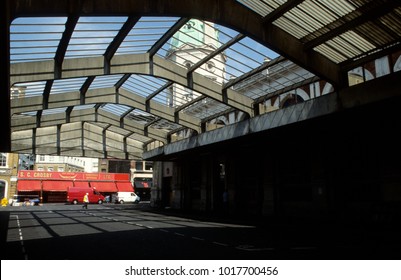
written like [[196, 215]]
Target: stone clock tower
[[194, 41]]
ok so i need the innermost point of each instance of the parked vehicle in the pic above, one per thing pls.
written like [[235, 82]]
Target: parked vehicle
[[75, 195], [23, 199], [124, 197]]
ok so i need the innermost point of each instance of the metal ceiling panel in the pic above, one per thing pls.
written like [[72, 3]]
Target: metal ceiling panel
[[261, 7]]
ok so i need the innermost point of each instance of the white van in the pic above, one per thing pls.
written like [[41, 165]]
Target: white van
[[124, 197]]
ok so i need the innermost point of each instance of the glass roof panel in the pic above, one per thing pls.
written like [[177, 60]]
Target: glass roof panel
[[141, 116], [35, 38], [143, 85], [146, 32], [206, 37], [105, 81], [205, 108], [116, 109], [83, 107], [28, 89], [272, 79], [92, 35], [236, 60], [244, 56], [165, 125], [54, 111], [67, 85]]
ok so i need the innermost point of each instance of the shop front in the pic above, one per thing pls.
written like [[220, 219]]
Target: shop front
[[54, 186]]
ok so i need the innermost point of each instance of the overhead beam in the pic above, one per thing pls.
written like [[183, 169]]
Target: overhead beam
[[63, 44], [130, 64], [46, 93], [104, 140], [158, 91], [167, 36], [84, 88], [281, 10], [118, 39]]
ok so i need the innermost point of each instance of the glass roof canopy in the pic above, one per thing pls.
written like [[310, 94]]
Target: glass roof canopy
[[344, 33]]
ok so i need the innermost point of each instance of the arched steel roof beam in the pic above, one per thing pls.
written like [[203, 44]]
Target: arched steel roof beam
[[63, 44], [139, 64], [118, 39], [102, 96], [82, 137], [88, 115]]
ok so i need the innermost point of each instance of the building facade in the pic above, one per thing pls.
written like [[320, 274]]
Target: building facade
[[65, 164], [8, 174], [141, 173], [192, 43], [142, 178]]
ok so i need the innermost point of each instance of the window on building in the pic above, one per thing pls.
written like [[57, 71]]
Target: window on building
[[3, 159], [148, 165], [60, 168], [42, 158], [210, 67], [50, 169], [40, 168], [139, 165], [354, 79]]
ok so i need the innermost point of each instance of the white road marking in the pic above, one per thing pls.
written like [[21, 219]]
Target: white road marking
[[21, 238]]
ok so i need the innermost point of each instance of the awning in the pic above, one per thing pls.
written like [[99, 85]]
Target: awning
[[124, 187], [28, 185], [104, 186], [81, 184], [56, 186]]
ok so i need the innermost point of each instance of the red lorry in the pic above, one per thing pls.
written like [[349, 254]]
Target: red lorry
[[76, 195]]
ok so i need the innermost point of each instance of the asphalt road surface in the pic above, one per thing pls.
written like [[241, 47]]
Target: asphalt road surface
[[129, 232]]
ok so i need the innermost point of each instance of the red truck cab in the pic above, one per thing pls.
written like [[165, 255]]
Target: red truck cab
[[76, 195]]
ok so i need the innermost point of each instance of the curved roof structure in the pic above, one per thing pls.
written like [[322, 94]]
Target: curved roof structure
[[95, 78]]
